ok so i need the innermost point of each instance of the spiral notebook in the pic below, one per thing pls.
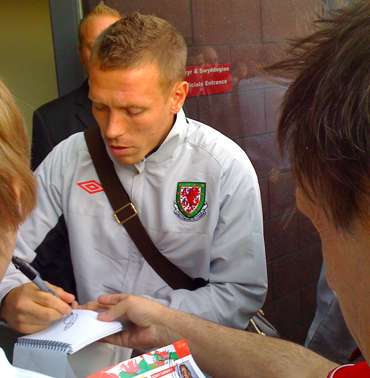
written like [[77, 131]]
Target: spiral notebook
[[70, 334], [50, 351]]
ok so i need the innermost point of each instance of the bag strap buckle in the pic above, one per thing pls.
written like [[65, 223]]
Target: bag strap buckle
[[132, 213]]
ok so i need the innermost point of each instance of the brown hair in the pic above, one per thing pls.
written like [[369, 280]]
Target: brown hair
[[17, 185], [100, 10], [325, 119], [138, 39]]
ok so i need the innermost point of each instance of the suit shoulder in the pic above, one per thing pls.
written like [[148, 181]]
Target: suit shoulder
[[60, 103]]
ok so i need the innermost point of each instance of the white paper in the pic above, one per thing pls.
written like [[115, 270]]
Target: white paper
[[77, 330]]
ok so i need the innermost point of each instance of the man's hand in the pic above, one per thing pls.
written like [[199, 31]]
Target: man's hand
[[27, 309], [94, 306], [143, 318]]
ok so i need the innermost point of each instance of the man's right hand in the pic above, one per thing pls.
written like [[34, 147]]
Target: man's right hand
[[145, 325], [27, 309]]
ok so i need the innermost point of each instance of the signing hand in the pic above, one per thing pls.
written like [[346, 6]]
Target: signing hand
[[27, 309]]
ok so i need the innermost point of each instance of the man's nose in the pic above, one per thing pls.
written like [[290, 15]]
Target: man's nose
[[115, 126]]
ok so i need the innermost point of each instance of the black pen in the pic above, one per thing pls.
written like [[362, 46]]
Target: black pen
[[31, 273]]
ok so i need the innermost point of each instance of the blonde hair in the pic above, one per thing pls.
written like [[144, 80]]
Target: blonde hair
[[138, 39], [100, 10], [17, 184]]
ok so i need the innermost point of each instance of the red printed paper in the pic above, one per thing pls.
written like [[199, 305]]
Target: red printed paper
[[171, 361]]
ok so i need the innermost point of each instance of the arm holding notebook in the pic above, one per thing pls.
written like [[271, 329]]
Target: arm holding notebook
[[216, 348]]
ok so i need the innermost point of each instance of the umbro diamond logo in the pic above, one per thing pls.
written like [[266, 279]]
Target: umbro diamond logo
[[91, 186]]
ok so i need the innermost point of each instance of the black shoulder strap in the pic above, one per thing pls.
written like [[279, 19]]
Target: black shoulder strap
[[125, 213]]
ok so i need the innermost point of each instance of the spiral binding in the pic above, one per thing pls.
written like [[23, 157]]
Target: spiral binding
[[45, 344]]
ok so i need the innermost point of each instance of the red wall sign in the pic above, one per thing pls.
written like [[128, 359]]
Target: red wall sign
[[209, 79]]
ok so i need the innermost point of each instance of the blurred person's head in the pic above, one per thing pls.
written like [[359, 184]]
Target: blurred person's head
[[17, 185], [210, 55], [91, 26], [196, 58], [137, 84], [239, 71], [325, 126], [200, 56]]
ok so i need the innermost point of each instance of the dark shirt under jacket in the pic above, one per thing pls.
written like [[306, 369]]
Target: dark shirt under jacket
[[52, 123]]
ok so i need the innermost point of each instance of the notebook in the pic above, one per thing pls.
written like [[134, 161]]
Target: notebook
[[71, 333]]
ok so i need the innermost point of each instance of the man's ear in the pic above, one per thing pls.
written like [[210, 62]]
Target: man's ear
[[178, 95]]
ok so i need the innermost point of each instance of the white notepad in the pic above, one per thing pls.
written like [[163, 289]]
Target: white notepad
[[70, 334]]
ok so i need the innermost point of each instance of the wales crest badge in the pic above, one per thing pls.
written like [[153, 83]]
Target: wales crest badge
[[190, 204]]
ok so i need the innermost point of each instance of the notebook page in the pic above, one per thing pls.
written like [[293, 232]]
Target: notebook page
[[78, 329]]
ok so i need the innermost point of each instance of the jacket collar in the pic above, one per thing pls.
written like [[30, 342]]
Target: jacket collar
[[167, 150]]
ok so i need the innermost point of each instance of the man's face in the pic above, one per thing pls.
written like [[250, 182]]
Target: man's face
[[347, 261], [185, 373], [90, 30], [132, 110]]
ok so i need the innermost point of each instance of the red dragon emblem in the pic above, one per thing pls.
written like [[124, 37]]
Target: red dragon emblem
[[190, 200]]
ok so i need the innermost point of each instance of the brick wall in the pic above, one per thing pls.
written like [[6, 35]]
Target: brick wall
[[247, 33]]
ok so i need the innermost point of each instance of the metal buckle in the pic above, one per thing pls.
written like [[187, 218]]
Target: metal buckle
[[115, 216]]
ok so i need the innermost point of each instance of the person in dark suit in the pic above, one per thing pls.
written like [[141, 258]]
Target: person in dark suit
[[54, 122], [60, 118]]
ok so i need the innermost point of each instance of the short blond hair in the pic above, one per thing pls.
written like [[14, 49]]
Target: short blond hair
[[100, 10], [139, 39], [17, 184]]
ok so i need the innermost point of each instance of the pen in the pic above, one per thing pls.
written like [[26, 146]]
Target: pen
[[31, 273]]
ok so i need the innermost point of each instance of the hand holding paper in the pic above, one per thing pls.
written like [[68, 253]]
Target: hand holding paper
[[144, 321]]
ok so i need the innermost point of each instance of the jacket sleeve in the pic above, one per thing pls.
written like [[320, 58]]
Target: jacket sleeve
[[238, 275], [42, 142]]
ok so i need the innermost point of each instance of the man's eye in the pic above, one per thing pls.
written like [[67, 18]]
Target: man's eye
[[134, 111], [98, 107]]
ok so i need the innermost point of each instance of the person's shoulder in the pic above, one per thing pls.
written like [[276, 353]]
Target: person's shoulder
[[67, 152], [214, 143], [73, 143], [61, 103]]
